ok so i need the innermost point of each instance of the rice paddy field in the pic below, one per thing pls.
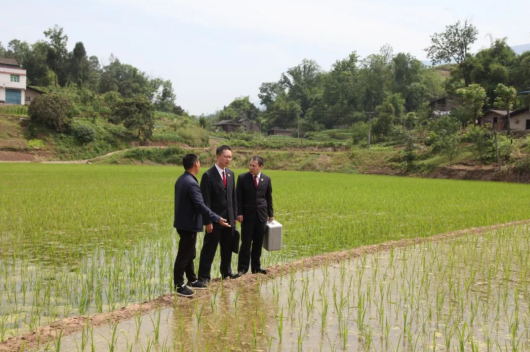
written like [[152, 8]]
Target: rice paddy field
[[83, 239]]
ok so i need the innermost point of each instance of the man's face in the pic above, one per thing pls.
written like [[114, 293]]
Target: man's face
[[254, 168], [197, 166], [224, 159]]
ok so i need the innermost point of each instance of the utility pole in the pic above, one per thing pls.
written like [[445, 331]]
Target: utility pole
[[369, 114], [497, 150]]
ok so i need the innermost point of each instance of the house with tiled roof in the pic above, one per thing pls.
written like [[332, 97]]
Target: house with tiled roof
[[12, 82]]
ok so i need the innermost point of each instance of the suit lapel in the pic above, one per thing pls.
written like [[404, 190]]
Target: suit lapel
[[218, 177]]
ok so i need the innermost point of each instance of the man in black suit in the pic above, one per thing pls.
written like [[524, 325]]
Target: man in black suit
[[218, 189], [254, 201], [189, 210]]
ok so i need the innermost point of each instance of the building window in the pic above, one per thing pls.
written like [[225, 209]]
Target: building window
[[15, 78], [28, 98], [528, 124], [495, 120]]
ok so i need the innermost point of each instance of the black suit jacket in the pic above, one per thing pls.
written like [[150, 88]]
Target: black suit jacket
[[220, 200], [254, 201], [189, 205]]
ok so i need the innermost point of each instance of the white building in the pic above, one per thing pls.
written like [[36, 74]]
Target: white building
[[12, 82]]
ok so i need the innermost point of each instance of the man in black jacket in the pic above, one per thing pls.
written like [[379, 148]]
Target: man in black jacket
[[218, 189], [189, 210], [254, 201]]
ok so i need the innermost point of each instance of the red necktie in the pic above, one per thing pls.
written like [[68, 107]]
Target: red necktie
[[224, 179], [256, 181]]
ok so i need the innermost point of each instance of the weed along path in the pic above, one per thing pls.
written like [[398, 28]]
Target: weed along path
[[464, 290]]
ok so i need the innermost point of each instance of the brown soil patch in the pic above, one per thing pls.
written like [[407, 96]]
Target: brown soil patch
[[16, 156], [72, 325]]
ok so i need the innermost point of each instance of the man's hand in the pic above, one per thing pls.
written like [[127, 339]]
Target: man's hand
[[208, 228], [240, 218], [222, 222], [271, 218]]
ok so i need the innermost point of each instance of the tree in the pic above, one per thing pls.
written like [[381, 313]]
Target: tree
[[136, 115], [473, 97], [505, 100], [453, 45], [165, 99], [443, 136], [268, 92], [57, 53], [340, 98], [125, 79], [303, 83], [52, 110], [239, 108], [79, 65], [391, 109], [375, 76], [407, 80], [494, 65], [283, 112]]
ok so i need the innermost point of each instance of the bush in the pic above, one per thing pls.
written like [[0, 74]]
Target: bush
[[52, 110], [83, 133], [136, 114], [360, 131], [484, 143], [443, 136], [172, 155], [36, 144]]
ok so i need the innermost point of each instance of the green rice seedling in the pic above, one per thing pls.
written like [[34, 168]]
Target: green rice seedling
[[156, 325], [113, 338], [280, 326]]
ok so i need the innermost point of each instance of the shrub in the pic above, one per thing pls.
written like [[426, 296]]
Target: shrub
[[484, 143], [360, 131], [83, 133], [136, 114], [443, 136], [36, 144], [52, 110]]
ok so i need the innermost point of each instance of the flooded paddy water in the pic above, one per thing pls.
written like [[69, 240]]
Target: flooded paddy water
[[469, 293]]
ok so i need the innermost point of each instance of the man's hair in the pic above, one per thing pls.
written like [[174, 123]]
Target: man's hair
[[257, 158], [221, 149], [189, 160]]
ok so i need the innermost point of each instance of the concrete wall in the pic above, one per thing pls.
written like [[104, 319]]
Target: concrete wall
[[5, 82], [31, 94], [5, 78], [518, 122]]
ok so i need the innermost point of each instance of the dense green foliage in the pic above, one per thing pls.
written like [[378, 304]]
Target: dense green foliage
[[50, 65], [52, 110]]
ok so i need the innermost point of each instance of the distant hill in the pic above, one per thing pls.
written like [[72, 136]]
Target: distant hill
[[519, 49]]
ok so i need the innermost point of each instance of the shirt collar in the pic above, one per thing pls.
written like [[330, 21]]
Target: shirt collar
[[219, 169]]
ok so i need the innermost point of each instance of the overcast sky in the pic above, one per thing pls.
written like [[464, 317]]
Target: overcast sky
[[214, 51]]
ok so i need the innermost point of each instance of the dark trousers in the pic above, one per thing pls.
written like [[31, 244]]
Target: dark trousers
[[185, 256], [219, 236], [252, 232]]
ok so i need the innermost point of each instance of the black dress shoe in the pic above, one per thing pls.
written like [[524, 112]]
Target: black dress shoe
[[260, 271], [239, 274], [227, 276], [204, 280]]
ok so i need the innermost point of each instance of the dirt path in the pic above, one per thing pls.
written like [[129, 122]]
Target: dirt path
[[75, 324]]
